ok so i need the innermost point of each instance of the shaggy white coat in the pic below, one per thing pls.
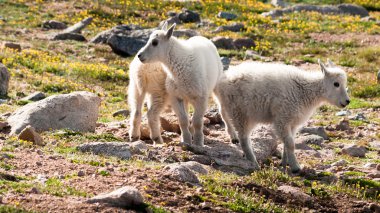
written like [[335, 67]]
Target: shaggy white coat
[[146, 79], [282, 95], [193, 68]]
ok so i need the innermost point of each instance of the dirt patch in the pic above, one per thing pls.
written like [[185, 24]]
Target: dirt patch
[[362, 39]]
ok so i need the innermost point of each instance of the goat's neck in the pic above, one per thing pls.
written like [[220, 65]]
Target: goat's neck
[[313, 91], [177, 58]]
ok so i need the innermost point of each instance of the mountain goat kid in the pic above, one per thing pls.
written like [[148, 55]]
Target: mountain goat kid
[[146, 79], [282, 95], [193, 68]]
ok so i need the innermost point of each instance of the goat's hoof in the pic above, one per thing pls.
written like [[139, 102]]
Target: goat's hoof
[[235, 141], [134, 138], [158, 140]]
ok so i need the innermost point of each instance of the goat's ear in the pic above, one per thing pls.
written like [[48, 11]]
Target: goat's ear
[[169, 33], [323, 66], [165, 26], [330, 63]]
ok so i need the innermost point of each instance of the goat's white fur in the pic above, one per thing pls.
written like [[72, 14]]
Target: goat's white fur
[[283, 95], [193, 68], [146, 79]]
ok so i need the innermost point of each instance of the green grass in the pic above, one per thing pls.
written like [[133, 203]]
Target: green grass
[[13, 209], [55, 187]]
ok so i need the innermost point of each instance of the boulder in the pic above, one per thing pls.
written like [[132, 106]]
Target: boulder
[[53, 24], [36, 96], [354, 151], [128, 44], [69, 36], [278, 3], [188, 16], [3, 125], [30, 134], [230, 158], [192, 165], [13, 46], [340, 163], [169, 122], [343, 125], [126, 30], [124, 197], [348, 9], [226, 15], [4, 80], [77, 111]]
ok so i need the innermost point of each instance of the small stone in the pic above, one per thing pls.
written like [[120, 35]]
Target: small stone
[[343, 113], [188, 16], [214, 116], [236, 27], [340, 163], [34, 190], [226, 15], [343, 125], [124, 197], [69, 36], [30, 134], [122, 112], [320, 131], [378, 167], [278, 3], [374, 175], [138, 147], [36, 96], [241, 43], [81, 173], [181, 173], [38, 163], [378, 74], [53, 24], [3, 125], [374, 207], [40, 152], [359, 117], [354, 151], [226, 62], [13, 46], [295, 193], [370, 165]]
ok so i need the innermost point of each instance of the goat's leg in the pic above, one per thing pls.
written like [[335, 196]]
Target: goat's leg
[[156, 105], [135, 101], [286, 135], [200, 108], [178, 106]]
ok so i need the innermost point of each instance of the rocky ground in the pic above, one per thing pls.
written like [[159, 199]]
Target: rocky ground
[[64, 151]]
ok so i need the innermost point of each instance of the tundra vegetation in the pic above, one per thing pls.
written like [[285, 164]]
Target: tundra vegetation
[[58, 176]]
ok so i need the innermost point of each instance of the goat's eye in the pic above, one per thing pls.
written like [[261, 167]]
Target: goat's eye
[[336, 84], [154, 42]]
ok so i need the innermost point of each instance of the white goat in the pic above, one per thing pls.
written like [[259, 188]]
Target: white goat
[[193, 68], [146, 79], [283, 95]]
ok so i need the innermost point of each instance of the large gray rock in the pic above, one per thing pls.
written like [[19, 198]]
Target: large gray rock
[[4, 80], [303, 141], [124, 197], [349, 9], [229, 157], [13, 46], [226, 62], [230, 44], [77, 111], [120, 150], [30, 134]]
